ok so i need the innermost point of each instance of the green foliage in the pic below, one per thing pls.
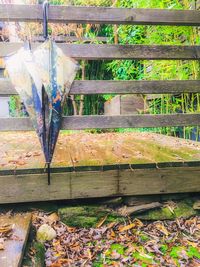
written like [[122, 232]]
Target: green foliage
[[161, 69], [176, 251], [143, 69], [193, 252], [118, 248], [12, 105], [82, 2], [164, 248]]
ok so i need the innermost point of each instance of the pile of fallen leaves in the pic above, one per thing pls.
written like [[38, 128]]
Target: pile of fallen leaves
[[6, 232], [132, 243]]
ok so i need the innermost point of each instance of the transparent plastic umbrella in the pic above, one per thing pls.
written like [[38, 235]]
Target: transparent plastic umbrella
[[43, 78]]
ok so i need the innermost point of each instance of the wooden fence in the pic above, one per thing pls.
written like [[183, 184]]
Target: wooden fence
[[95, 183]]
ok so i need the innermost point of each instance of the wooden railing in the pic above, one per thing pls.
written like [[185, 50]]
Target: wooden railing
[[115, 180], [101, 15], [66, 14]]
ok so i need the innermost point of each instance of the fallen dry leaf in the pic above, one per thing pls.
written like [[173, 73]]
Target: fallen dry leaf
[[162, 229], [101, 222], [2, 246], [127, 227], [115, 245], [53, 217], [5, 229]]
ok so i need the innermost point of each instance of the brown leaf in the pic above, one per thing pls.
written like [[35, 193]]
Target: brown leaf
[[110, 225], [70, 229], [28, 155], [162, 229], [5, 229], [53, 217], [36, 153], [127, 227], [101, 222], [2, 246]]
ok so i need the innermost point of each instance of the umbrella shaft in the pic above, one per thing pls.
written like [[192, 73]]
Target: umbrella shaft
[[49, 173], [45, 19]]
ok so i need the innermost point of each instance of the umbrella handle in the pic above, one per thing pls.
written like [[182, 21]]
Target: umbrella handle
[[45, 19]]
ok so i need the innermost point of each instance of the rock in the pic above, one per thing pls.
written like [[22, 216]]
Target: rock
[[45, 233]]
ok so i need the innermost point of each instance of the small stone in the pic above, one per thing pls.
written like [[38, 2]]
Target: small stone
[[45, 233]]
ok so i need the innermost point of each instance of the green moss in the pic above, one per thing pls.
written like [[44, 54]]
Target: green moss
[[145, 258], [39, 254], [193, 252], [86, 216], [176, 252], [144, 237], [183, 209], [38, 260], [118, 248], [164, 248]]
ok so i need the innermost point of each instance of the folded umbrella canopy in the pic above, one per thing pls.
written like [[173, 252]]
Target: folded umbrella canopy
[[43, 78]]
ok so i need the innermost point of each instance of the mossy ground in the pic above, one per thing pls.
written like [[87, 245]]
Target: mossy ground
[[87, 215], [183, 208]]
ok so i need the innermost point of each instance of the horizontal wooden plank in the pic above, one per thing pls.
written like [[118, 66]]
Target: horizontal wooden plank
[[104, 122], [101, 15], [6, 88], [120, 87], [74, 185], [71, 39], [108, 51]]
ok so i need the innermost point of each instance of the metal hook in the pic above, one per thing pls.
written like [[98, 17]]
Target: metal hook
[[45, 18]]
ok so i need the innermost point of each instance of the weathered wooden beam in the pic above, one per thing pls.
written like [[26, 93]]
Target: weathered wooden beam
[[104, 122], [101, 15], [91, 184], [120, 87], [108, 51], [12, 254]]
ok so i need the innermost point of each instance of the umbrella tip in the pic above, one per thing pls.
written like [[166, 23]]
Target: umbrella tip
[[45, 19], [49, 173]]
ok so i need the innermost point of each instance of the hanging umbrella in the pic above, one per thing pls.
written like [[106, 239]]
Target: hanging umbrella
[[43, 79]]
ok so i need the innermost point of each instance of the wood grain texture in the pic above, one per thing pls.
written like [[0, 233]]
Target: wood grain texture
[[71, 39], [13, 253], [101, 15], [93, 87], [109, 51], [91, 184], [104, 122]]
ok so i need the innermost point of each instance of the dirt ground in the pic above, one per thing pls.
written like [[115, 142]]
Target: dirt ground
[[22, 150]]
